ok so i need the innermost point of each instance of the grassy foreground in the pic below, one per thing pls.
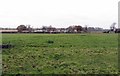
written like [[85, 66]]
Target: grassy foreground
[[60, 54]]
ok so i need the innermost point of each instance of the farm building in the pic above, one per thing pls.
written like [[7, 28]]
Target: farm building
[[8, 31], [117, 30]]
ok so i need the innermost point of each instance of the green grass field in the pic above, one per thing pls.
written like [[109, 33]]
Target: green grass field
[[60, 54]]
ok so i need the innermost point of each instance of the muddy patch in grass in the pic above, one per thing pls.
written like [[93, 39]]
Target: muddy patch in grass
[[6, 46], [50, 41]]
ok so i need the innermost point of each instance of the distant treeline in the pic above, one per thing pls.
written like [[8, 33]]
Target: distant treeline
[[50, 29]]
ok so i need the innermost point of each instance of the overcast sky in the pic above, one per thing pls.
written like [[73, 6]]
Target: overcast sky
[[58, 13]]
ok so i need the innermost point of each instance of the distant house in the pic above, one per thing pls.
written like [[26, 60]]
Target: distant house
[[51, 29], [8, 31], [74, 29], [38, 30], [48, 29], [61, 30], [117, 30], [95, 29], [25, 31]]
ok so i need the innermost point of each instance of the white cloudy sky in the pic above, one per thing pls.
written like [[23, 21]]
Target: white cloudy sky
[[58, 13]]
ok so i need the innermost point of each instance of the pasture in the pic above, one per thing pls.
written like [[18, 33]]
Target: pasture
[[60, 54]]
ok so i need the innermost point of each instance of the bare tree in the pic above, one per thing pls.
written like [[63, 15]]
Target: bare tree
[[86, 29], [29, 28], [112, 27], [44, 28], [70, 29]]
